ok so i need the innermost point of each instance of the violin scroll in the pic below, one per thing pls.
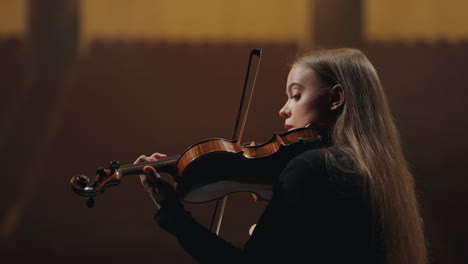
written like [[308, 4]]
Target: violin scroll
[[112, 176], [105, 178]]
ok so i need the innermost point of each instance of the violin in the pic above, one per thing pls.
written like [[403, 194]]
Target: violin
[[211, 169]]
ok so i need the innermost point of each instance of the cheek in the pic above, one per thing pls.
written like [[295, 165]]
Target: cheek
[[311, 104], [305, 111], [315, 108]]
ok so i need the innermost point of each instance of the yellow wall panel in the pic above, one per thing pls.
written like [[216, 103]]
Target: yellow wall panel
[[415, 20], [204, 20], [247, 20], [13, 17]]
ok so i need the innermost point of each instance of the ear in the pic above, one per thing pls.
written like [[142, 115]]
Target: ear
[[337, 97]]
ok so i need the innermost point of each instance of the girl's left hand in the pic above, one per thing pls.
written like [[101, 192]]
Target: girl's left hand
[[161, 191]]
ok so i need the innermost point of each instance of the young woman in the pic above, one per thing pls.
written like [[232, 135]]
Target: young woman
[[350, 202]]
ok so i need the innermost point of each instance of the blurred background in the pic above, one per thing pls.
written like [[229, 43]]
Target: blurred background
[[86, 82]]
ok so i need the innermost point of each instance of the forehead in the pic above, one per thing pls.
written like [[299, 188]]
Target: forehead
[[301, 75]]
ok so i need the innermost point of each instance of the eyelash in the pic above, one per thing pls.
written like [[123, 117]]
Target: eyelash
[[296, 96]]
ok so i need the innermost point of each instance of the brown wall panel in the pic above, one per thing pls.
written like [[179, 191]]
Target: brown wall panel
[[132, 98]]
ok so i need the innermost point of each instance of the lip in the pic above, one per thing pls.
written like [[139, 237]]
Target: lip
[[288, 127]]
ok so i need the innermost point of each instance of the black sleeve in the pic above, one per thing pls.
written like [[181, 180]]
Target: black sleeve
[[287, 226], [277, 235], [199, 242]]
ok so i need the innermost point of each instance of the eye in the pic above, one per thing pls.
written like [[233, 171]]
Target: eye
[[296, 97]]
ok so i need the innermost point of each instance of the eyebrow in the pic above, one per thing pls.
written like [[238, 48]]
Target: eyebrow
[[288, 90]]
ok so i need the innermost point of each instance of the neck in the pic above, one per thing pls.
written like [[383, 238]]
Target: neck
[[323, 130]]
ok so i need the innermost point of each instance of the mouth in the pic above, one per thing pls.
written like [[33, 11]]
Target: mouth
[[288, 127]]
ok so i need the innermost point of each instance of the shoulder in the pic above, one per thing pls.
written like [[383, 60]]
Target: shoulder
[[319, 171], [317, 157], [301, 174], [318, 161]]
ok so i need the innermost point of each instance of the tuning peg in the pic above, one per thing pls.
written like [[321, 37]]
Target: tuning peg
[[82, 181], [101, 174], [101, 171], [114, 165]]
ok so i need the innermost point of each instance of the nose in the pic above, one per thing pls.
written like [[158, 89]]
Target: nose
[[284, 111]]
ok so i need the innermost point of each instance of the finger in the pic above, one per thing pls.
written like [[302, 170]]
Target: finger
[[156, 182], [147, 184], [152, 158], [152, 175], [142, 158], [161, 188], [150, 188], [158, 156]]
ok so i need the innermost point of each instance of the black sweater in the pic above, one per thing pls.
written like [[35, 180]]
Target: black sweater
[[318, 214]]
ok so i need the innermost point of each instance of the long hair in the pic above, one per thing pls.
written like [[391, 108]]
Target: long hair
[[366, 132]]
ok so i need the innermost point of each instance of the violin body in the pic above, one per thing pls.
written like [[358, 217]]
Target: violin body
[[214, 168]]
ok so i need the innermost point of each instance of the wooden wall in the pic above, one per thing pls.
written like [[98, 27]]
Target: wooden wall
[[127, 98]]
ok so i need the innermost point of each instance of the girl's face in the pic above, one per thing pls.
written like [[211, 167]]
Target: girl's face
[[308, 102]]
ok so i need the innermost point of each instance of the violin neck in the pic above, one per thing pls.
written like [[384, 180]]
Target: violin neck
[[168, 165]]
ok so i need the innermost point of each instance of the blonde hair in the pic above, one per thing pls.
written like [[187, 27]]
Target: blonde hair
[[366, 132]]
